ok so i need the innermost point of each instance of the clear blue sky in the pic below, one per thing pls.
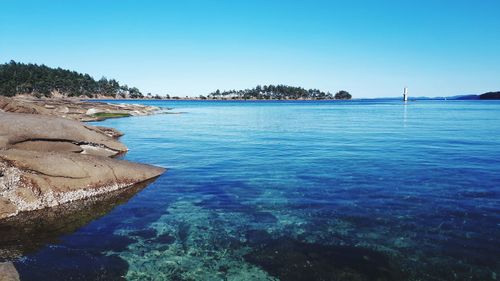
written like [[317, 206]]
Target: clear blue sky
[[188, 47]]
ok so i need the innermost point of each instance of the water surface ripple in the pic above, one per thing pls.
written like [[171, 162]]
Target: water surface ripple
[[358, 190]]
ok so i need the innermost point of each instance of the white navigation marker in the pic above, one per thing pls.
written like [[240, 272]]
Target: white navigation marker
[[405, 94]]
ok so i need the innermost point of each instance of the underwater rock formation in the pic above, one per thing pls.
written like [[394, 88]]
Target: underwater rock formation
[[294, 260], [29, 231]]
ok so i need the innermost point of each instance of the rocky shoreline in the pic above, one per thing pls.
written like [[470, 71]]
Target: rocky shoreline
[[49, 158], [74, 109]]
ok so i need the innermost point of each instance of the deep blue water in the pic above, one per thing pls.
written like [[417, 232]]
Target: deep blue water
[[357, 190]]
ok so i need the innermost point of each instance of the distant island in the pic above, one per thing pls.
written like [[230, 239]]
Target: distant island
[[485, 96], [43, 81], [277, 92], [490, 96]]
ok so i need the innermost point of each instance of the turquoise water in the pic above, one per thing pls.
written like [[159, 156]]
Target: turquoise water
[[358, 190]]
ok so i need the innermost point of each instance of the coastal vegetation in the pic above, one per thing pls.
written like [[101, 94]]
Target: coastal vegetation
[[43, 81], [277, 92], [342, 95]]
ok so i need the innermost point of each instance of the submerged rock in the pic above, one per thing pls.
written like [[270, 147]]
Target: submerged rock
[[165, 239], [144, 233], [294, 260], [27, 232], [72, 264]]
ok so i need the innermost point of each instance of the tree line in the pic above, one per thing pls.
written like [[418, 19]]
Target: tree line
[[40, 80], [277, 92], [43, 81]]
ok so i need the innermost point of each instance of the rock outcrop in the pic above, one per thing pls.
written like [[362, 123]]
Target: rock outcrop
[[74, 109], [8, 272], [34, 180], [49, 133], [27, 232], [47, 161]]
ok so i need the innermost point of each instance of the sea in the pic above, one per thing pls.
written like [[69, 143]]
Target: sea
[[292, 190]]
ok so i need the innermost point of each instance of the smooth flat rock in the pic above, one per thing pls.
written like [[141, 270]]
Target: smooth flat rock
[[8, 272], [48, 146], [12, 105], [112, 132], [47, 161], [71, 108], [34, 180], [16, 128]]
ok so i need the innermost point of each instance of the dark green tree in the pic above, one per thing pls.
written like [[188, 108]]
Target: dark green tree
[[40, 80], [275, 92], [343, 95]]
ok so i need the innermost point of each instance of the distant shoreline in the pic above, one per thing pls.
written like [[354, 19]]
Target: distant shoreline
[[214, 100], [290, 100]]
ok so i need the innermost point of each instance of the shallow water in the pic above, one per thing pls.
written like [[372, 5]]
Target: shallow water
[[358, 190]]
